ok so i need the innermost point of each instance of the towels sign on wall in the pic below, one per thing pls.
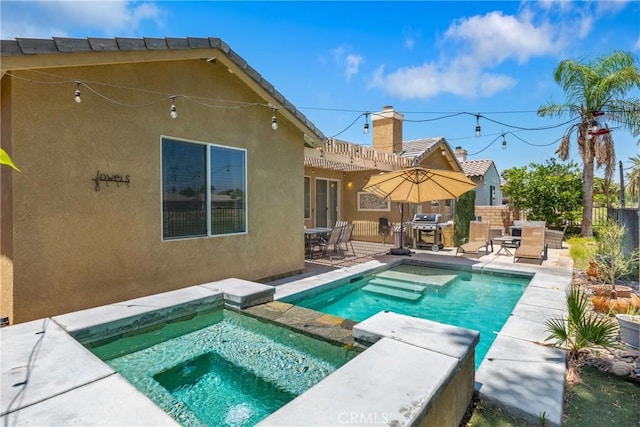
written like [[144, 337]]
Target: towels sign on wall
[[107, 178]]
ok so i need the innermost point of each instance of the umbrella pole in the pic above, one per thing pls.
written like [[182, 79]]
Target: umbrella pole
[[401, 250], [401, 226]]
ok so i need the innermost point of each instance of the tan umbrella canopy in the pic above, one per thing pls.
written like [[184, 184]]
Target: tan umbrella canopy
[[419, 185]]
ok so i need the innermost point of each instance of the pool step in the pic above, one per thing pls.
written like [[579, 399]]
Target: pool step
[[397, 284], [392, 292], [442, 279]]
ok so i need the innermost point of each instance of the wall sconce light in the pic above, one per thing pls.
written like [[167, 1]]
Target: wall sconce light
[[77, 93], [174, 111], [443, 152], [274, 120], [349, 184], [477, 125]]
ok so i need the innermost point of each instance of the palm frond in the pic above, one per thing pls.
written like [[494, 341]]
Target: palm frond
[[563, 148]]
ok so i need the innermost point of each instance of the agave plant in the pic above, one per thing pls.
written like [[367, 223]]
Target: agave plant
[[582, 329]]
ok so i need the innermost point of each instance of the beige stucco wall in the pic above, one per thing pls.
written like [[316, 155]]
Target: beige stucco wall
[[74, 247], [351, 183]]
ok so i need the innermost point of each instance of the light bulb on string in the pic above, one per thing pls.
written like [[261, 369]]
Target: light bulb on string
[[504, 142], [174, 110], [477, 125], [274, 120], [77, 93], [366, 123]]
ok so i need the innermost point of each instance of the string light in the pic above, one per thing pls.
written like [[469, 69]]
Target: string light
[[77, 94], [504, 142], [274, 120], [220, 103], [366, 123], [174, 110]]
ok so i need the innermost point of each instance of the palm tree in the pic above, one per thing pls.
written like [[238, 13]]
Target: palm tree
[[633, 177], [591, 90]]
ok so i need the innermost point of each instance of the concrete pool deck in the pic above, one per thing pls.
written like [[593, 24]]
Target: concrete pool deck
[[49, 378]]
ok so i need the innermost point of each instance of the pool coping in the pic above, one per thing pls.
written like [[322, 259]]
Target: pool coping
[[48, 377], [520, 373]]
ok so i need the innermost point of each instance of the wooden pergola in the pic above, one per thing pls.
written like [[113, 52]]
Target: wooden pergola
[[346, 157]]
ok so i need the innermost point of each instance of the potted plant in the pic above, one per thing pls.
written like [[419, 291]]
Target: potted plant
[[630, 326], [611, 262]]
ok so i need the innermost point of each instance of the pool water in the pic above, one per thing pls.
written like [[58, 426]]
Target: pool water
[[221, 368], [478, 301]]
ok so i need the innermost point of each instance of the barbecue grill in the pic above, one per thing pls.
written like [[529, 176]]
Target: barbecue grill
[[427, 231]]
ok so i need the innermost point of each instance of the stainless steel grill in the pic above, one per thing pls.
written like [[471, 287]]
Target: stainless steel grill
[[428, 221], [427, 231]]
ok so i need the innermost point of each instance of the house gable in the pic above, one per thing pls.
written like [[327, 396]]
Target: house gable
[[69, 243], [39, 54]]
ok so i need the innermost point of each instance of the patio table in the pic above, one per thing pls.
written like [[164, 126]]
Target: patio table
[[507, 242], [310, 235]]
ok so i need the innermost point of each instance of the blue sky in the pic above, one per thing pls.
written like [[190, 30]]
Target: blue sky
[[440, 63]]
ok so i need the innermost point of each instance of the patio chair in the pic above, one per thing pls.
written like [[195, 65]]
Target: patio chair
[[384, 229], [333, 241], [478, 239], [532, 244], [346, 238], [554, 238]]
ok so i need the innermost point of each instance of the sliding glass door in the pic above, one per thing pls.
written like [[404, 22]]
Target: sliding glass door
[[326, 202]]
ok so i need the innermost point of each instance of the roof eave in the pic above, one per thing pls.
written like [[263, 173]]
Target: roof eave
[[24, 54]]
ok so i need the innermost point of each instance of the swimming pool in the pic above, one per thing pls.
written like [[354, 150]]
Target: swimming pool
[[221, 367], [479, 301]]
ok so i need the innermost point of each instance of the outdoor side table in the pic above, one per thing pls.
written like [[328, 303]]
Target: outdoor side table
[[506, 243]]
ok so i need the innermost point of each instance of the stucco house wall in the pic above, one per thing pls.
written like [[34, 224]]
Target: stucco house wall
[[483, 190], [66, 246]]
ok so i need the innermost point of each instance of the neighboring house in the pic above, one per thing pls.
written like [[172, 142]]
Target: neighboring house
[[117, 199], [485, 174], [336, 173]]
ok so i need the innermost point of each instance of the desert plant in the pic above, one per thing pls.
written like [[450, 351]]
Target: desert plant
[[611, 260], [582, 329]]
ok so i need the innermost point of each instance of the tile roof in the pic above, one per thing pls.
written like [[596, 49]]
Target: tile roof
[[420, 148], [62, 45], [476, 167]]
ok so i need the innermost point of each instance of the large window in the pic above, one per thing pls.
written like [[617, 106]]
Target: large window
[[203, 190]]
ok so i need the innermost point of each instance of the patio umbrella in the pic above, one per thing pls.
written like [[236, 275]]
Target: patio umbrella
[[418, 185]]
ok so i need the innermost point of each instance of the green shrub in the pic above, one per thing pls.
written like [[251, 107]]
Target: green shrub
[[582, 250]]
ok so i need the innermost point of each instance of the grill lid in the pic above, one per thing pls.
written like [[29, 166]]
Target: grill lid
[[426, 217]]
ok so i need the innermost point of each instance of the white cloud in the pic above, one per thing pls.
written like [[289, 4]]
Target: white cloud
[[45, 19], [431, 79], [353, 63], [346, 61], [481, 45], [495, 38], [410, 36]]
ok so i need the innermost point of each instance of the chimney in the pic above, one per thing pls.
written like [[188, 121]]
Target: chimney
[[461, 154], [387, 130]]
